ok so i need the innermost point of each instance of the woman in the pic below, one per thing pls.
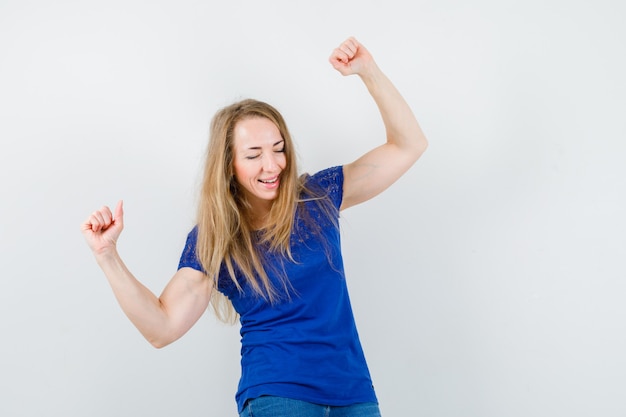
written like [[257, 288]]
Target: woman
[[266, 249]]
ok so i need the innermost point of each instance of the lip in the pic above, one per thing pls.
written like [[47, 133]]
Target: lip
[[274, 181], [269, 180]]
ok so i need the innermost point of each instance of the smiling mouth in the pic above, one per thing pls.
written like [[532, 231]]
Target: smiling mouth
[[270, 181]]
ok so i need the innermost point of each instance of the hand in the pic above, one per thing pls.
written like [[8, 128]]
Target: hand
[[351, 58], [102, 229]]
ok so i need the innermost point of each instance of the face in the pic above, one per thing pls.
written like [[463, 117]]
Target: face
[[259, 158]]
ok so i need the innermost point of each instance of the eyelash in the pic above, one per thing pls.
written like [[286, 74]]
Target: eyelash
[[256, 156]]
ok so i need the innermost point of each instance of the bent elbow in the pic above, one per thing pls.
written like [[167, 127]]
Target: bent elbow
[[420, 147], [423, 145], [159, 343]]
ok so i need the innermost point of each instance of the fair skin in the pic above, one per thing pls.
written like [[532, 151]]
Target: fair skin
[[257, 165], [259, 159], [375, 171]]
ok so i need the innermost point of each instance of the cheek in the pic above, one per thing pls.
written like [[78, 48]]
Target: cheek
[[239, 172], [282, 161]]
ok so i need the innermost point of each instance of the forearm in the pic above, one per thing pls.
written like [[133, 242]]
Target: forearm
[[139, 304], [401, 126]]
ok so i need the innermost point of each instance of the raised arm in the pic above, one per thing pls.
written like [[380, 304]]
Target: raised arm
[[375, 171], [161, 320]]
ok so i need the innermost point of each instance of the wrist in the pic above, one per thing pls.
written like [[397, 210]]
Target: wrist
[[106, 254], [372, 76]]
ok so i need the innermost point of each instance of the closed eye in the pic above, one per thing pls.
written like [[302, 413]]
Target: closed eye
[[282, 148]]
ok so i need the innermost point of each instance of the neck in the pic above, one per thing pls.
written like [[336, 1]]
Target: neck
[[258, 223], [258, 216]]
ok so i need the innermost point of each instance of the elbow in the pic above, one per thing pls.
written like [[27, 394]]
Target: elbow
[[159, 342], [413, 143], [419, 147], [423, 145]]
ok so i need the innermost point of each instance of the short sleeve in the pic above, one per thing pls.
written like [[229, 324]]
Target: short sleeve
[[189, 258], [331, 181]]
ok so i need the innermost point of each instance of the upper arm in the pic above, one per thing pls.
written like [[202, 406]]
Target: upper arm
[[375, 171], [184, 300]]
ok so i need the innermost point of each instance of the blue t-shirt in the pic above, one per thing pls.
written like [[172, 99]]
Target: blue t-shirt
[[304, 346]]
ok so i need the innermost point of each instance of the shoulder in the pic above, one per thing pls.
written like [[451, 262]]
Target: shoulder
[[327, 183], [189, 258], [326, 179]]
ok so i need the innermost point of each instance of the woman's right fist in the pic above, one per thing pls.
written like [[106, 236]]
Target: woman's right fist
[[102, 228]]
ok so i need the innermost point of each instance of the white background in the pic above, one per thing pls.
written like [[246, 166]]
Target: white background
[[489, 281]]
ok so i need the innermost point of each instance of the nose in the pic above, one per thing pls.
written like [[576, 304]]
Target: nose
[[269, 163]]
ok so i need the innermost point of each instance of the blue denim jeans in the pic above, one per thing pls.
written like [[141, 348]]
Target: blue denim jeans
[[268, 406]]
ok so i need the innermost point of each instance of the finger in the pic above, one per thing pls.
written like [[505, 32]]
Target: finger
[[346, 53], [350, 47], [92, 224], [100, 219], [119, 213], [88, 225], [339, 56], [106, 216], [97, 221]]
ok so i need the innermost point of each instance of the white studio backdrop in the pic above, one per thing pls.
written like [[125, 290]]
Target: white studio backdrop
[[487, 282]]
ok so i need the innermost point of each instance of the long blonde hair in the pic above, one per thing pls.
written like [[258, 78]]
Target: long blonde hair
[[224, 228]]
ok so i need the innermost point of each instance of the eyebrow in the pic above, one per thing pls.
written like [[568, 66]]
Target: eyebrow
[[259, 147]]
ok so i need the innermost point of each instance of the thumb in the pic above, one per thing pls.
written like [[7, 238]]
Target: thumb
[[119, 213]]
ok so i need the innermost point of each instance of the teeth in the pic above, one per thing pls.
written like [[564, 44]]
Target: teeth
[[269, 181]]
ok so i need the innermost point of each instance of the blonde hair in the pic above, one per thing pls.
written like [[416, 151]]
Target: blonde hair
[[224, 227]]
